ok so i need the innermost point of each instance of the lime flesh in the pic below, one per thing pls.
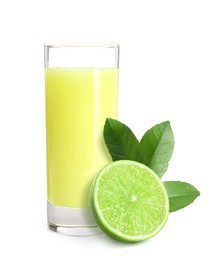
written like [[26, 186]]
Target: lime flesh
[[129, 201]]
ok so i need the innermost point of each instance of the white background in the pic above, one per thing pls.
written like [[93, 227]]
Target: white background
[[171, 68]]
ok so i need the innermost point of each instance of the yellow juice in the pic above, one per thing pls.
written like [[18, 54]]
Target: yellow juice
[[77, 104]]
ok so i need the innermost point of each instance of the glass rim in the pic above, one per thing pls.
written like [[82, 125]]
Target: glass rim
[[80, 45]]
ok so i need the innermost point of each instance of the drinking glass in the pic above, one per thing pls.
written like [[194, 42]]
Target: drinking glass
[[81, 91]]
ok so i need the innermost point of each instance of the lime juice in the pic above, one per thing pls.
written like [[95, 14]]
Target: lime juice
[[77, 103]]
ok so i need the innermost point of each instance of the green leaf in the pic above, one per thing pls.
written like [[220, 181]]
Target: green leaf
[[120, 140], [157, 147], [181, 194]]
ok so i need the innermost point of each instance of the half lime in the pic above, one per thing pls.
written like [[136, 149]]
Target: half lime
[[129, 201]]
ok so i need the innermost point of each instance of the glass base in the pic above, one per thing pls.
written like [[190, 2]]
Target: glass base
[[71, 221]]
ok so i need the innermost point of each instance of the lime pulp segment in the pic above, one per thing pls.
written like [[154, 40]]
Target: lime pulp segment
[[129, 201]]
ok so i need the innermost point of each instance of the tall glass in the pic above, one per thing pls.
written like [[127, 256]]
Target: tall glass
[[81, 92]]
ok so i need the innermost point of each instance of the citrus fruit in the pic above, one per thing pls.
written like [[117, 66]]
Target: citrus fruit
[[129, 201]]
